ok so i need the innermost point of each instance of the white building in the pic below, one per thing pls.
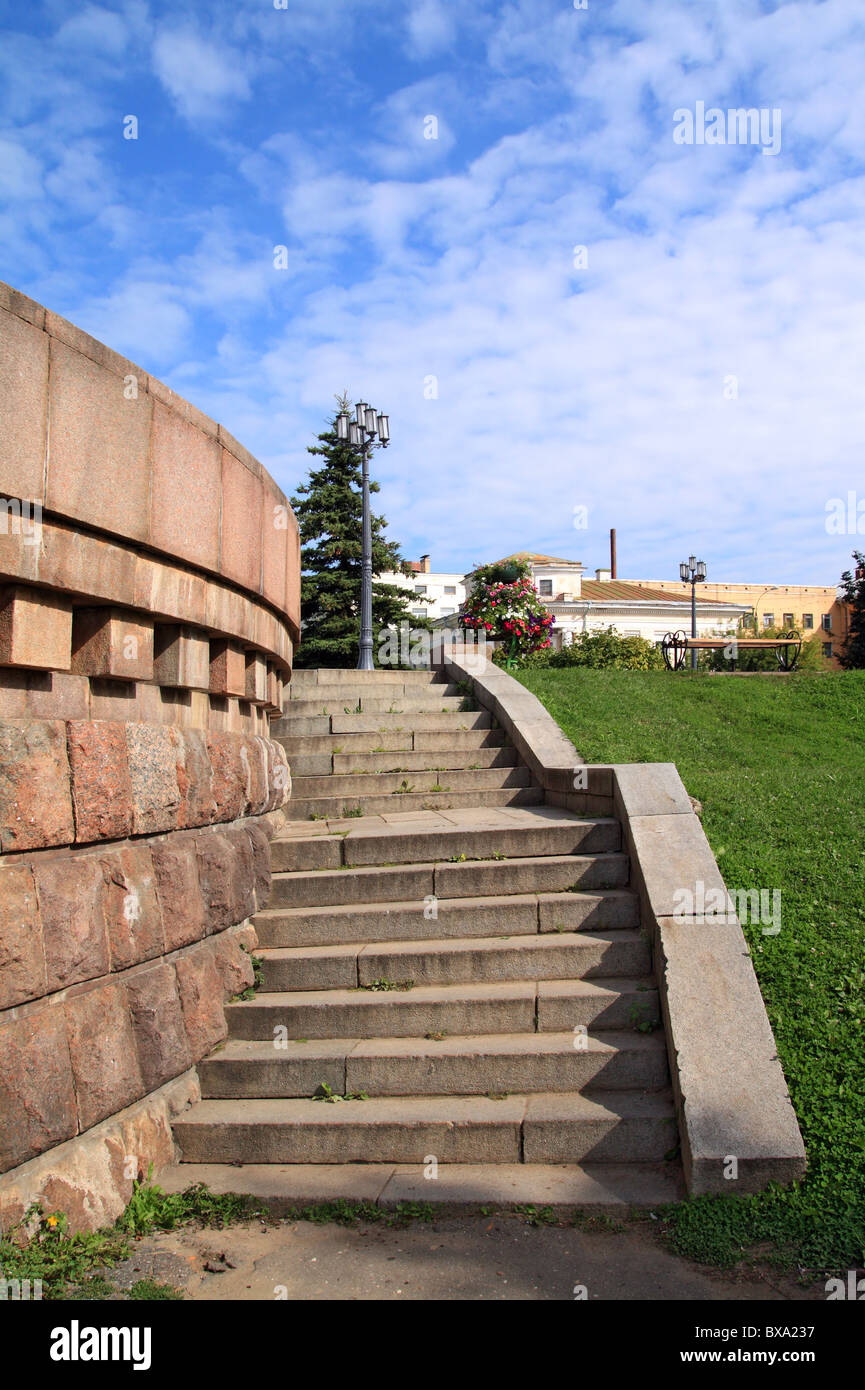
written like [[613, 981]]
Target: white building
[[436, 596], [630, 608]]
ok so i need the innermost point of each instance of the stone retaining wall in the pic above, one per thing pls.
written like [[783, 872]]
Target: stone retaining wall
[[149, 608]]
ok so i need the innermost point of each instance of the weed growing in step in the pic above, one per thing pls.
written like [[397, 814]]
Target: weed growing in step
[[536, 1216], [349, 812], [436, 1037], [642, 1020], [457, 859], [387, 985], [403, 789], [326, 1093], [346, 1213]]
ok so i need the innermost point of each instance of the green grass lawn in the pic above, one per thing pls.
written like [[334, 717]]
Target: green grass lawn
[[779, 765]]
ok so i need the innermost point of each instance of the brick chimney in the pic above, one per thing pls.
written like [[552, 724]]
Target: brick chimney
[[424, 564]]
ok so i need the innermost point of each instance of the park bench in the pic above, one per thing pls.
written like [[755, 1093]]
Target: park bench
[[676, 645]]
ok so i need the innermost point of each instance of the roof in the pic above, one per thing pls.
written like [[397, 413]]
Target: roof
[[621, 591], [535, 559]]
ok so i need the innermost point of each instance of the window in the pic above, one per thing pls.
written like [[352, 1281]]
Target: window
[[827, 622], [420, 588], [545, 587], [450, 588], [808, 621], [788, 619], [827, 649], [418, 612], [768, 619], [448, 612]]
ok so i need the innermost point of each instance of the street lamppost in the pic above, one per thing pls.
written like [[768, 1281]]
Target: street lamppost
[[361, 431], [693, 572]]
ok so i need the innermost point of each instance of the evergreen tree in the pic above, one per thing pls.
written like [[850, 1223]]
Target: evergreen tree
[[852, 655], [329, 510]]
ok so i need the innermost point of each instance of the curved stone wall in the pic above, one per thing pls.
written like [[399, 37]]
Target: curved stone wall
[[149, 607]]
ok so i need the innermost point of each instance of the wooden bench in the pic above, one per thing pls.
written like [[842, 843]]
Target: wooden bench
[[676, 645]]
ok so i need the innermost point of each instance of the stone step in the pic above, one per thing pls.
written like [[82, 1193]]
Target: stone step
[[457, 721], [352, 744], [375, 704], [465, 759], [314, 847], [427, 760], [347, 675], [452, 960], [614, 1126], [340, 807], [378, 784], [468, 1007], [522, 1062], [458, 1188], [407, 883], [517, 914]]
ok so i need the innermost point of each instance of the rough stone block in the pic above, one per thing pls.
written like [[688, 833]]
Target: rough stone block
[[102, 1049], [253, 756], [153, 773], [232, 963], [35, 629], [37, 1097], [101, 786], [201, 998], [23, 406], [109, 642], [242, 873], [194, 779], [260, 863], [56, 695], [181, 657], [176, 868], [217, 869], [35, 802], [132, 912], [184, 508], [157, 1020], [22, 964], [227, 669], [71, 893], [100, 445], [229, 775]]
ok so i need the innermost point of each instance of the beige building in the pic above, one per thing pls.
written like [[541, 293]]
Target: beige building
[[814, 609]]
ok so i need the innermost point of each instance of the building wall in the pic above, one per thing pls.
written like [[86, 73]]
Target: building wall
[[148, 615], [778, 603], [431, 597]]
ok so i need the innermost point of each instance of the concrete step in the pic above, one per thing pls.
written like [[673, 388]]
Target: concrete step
[[405, 741], [458, 1188], [509, 1005], [550, 874], [409, 844], [518, 914], [457, 720], [347, 675], [598, 1004], [338, 807], [451, 961], [615, 1126], [376, 704], [427, 760], [465, 759], [522, 1062], [336, 691], [399, 784]]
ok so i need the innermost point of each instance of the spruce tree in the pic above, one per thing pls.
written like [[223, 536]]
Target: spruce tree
[[329, 508], [852, 654]]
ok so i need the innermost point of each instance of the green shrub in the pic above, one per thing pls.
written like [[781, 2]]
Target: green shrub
[[603, 649]]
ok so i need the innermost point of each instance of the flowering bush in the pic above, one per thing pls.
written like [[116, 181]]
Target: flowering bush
[[505, 605]]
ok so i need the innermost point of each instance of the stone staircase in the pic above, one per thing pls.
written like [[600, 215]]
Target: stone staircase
[[441, 943]]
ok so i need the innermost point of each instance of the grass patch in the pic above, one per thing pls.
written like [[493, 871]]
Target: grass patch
[[76, 1265], [779, 766]]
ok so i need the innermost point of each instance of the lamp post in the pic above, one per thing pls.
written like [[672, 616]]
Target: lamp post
[[693, 572], [361, 431]]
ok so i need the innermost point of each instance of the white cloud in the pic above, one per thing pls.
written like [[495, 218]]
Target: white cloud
[[200, 75]]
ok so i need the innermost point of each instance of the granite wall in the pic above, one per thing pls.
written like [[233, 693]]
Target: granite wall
[[149, 607]]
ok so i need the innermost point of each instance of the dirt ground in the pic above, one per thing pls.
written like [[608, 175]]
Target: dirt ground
[[466, 1258]]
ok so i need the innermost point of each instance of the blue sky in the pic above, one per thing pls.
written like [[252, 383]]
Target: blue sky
[[557, 387]]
